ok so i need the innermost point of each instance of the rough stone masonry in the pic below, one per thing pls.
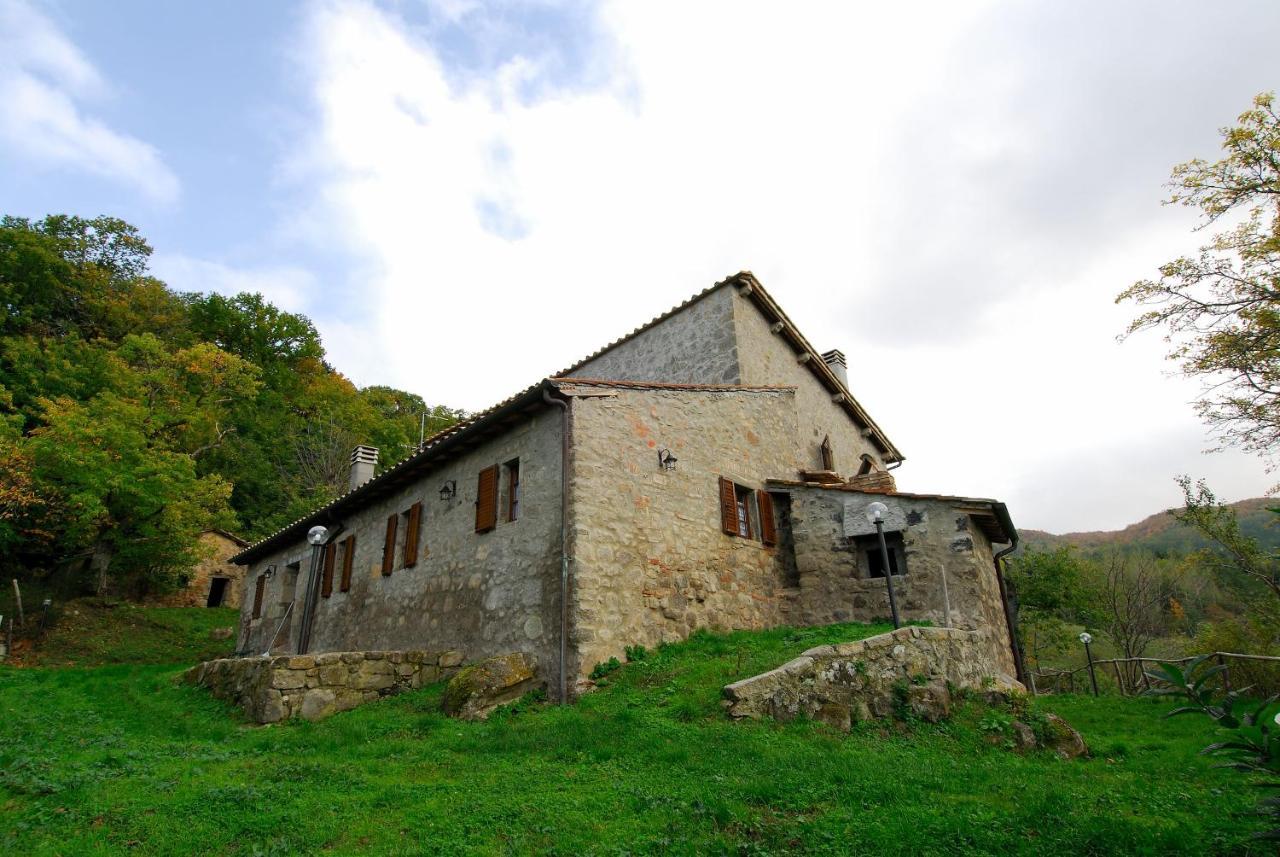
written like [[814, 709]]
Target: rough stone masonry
[[271, 689], [851, 682]]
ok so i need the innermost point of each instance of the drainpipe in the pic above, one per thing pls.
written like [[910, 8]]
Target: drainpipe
[[1009, 618], [565, 427]]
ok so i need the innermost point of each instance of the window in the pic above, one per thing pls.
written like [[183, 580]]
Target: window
[[737, 509], [872, 561], [513, 489], [326, 581], [487, 499], [412, 526], [348, 556], [257, 596], [389, 546]]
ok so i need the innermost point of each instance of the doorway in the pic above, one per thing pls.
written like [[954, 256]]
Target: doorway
[[217, 592]]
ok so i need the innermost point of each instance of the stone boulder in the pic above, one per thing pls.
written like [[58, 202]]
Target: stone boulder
[[1063, 739], [477, 690]]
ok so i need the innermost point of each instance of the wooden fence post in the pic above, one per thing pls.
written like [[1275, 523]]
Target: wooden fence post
[[17, 596], [1226, 673]]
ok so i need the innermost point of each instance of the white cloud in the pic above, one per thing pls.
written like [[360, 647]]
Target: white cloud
[[922, 187], [43, 79], [289, 288]]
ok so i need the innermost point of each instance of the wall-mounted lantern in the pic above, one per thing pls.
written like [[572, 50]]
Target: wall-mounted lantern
[[270, 572], [666, 461], [449, 490]]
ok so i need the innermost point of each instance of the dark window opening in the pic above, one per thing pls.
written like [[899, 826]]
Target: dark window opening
[[513, 489], [217, 592], [828, 456], [742, 502], [289, 586], [868, 548]]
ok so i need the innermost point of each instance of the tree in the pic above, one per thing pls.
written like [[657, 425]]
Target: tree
[[1218, 523], [1133, 595], [1220, 310]]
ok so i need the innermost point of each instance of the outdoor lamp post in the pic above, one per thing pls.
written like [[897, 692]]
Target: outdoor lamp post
[[316, 537], [1087, 638], [875, 514]]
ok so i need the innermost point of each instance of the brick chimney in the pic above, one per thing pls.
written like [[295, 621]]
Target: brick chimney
[[836, 362], [364, 460]]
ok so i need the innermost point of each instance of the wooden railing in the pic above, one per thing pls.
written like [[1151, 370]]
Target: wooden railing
[[1127, 680]]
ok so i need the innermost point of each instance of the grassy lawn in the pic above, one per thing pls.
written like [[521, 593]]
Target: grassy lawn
[[119, 758]]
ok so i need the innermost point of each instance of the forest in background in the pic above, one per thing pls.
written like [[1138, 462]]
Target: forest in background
[[134, 416]]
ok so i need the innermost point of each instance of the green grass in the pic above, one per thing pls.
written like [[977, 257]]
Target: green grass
[[94, 631], [120, 758]]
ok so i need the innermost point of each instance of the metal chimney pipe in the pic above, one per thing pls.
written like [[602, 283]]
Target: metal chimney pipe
[[364, 461]]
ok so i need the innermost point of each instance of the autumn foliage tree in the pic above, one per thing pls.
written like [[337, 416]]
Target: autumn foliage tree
[[133, 417], [1220, 309]]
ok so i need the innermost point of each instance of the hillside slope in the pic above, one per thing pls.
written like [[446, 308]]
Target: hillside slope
[[122, 758], [1161, 534]]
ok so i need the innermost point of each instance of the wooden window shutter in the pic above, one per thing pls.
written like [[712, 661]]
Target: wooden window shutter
[[411, 535], [768, 530], [326, 582], [487, 500], [728, 507], [389, 546], [257, 596], [348, 557]]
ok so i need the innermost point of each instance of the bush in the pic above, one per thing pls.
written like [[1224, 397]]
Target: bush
[[1254, 635]]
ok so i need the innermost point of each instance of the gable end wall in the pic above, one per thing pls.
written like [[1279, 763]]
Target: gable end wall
[[695, 346], [764, 357]]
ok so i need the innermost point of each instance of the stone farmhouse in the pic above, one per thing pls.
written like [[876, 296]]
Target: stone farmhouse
[[709, 469]]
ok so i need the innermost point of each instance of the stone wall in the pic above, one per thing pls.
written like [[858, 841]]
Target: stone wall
[[764, 357], [695, 346], [220, 548], [950, 574], [851, 682], [650, 562], [479, 593], [270, 689]]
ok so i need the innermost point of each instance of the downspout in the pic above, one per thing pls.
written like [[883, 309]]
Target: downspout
[[312, 597], [565, 426], [1010, 620]]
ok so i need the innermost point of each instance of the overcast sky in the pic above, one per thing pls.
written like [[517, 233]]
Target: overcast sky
[[468, 197]]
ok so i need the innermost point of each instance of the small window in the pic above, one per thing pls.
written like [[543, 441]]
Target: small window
[[412, 523], [348, 556], [738, 513], [742, 500], [513, 489], [871, 560]]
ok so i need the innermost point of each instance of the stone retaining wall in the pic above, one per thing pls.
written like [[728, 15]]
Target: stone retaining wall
[[849, 682], [271, 689]]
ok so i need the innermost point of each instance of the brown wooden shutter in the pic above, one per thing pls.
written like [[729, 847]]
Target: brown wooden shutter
[[768, 530], [389, 546], [326, 582], [348, 557], [411, 535], [728, 507], [487, 500], [257, 596]]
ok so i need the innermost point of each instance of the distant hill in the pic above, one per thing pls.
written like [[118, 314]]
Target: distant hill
[[1161, 534]]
